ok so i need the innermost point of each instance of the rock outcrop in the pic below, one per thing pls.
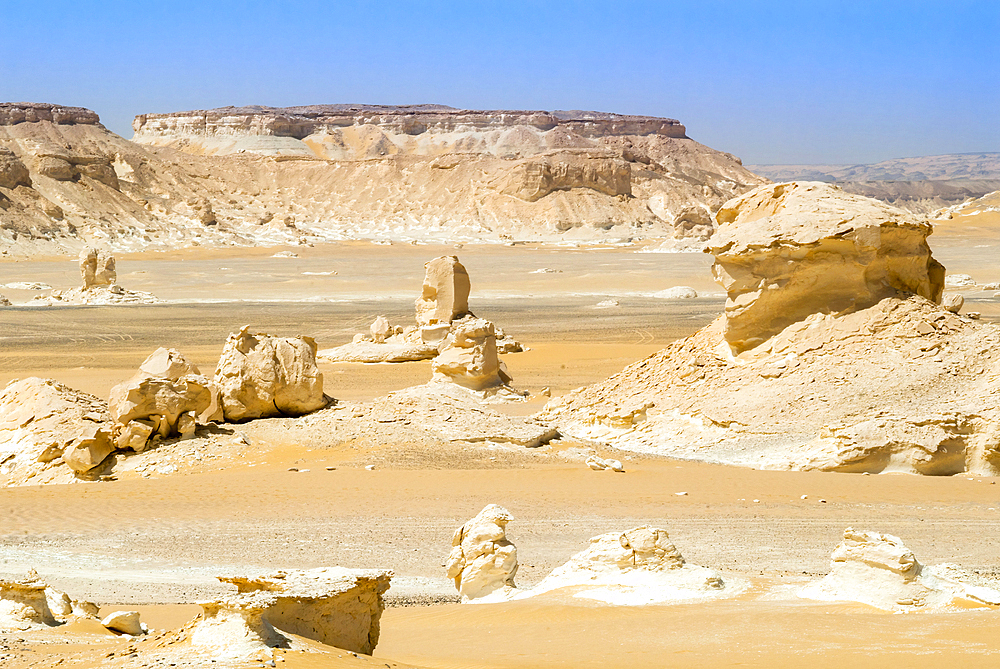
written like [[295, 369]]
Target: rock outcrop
[[786, 251], [45, 425], [445, 293], [468, 357], [879, 570], [797, 373], [126, 622], [338, 607], [23, 604], [167, 397], [262, 376], [482, 560], [97, 268], [234, 628], [636, 567]]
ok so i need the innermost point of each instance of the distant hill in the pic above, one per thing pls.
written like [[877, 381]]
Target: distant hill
[[948, 167]]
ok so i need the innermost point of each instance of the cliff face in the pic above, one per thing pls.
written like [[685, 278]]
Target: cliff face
[[259, 175]]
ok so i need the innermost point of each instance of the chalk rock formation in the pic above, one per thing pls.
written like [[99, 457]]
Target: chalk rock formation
[[639, 566], [600, 464], [44, 424], [234, 628], [166, 397], [23, 603], [879, 570], [468, 357], [786, 251], [953, 302], [262, 376], [97, 268], [380, 329], [482, 561], [126, 622], [445, 293], [338, 607]]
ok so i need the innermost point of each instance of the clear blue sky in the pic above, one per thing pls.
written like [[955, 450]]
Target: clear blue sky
[[773, 82]]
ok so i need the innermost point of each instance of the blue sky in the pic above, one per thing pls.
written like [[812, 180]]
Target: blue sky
[[772, 82]]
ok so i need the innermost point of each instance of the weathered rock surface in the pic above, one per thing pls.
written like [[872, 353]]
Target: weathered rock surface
[[636, 567], [165, 396], [468, 357], [445, 293], [786, 251], [335, 606], [234, 628], [94, 296], [261, 376], [126, 622], [97, 268], [23, 603], [44, 425], [482, 560], [879, 570], [842, 387]]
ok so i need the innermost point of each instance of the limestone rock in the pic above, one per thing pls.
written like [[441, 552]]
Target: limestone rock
[[393, 350], [879, 570], [97, 268], [261, 376], [165, 393], [469, 357], [23, 603], [126, 622], [44, 423], [786, 251], [234, 628], [13, 172], [335, 606], [600, 464], [636, 567], [533, 178], [953, 302], [380, 329], [482, 561], [677, 293], [445, 293]]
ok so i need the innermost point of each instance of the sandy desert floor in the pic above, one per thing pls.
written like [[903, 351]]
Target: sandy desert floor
[[156, 543]]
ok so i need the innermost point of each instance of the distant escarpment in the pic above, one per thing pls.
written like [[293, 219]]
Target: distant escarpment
[[256, 175]]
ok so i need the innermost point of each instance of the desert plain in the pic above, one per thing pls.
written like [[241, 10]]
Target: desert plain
[[154, 540]]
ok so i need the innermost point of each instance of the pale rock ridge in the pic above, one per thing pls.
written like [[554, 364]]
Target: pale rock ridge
[[335, 606], [262, 376], [167, 397], [786, 251], [636, 567], [483, 561], [798, 374], [879, 570]]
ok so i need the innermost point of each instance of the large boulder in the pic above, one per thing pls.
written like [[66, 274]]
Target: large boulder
[[44, 423], [97, 268], [879, 570], [13, 172], [482, 560], [468, 356], [445, 293], [335, 606], [262, 376], [786, 251], [23, 603], [167, 396]]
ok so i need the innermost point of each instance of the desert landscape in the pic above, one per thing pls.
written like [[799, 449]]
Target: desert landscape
[[365, 385]]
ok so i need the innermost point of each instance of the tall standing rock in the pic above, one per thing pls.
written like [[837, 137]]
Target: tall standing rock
[[97, 268], [262, 376], [445, 294], [482, 559]]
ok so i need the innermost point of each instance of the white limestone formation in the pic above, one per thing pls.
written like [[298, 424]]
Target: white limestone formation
[[167, 397], [445, 293], [483, 561], [468, 357], [786, 251], [636, 567], [879, 570], [126, 622], [336, 606], [23, 604], [262, 376], [234, 628], [97, 268]]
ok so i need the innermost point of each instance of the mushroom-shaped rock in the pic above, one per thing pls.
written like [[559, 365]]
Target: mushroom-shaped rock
[[23, 603], [445, 293], [639, 566], [97, 268], [126, 622], [335, 606], [168, 393], [879, 570], [42, 421], [482, 560], [262, 376], [786, 251], [469, 356]]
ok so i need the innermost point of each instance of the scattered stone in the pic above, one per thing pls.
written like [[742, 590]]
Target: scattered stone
[[600, 464], [126, 622], [482, 561], [953, 302], [261, 376]]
